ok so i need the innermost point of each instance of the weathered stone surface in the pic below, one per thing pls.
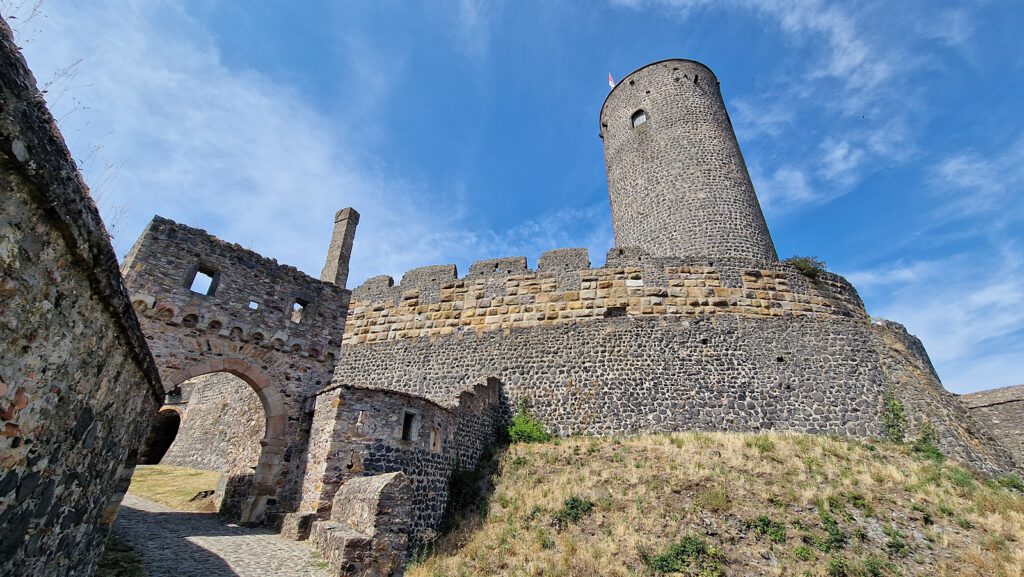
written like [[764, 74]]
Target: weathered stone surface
[[910, 375], [77, 381], [1002, 412], [358, 432], [677, 182], [270, 325]]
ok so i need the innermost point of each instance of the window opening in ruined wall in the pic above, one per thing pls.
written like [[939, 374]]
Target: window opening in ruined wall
[[299, 309], [435, 440], [407, 426], [639, 117], [253, 305], [203, 281]]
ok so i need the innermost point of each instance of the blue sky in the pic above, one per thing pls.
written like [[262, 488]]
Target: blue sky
[[888, 142]]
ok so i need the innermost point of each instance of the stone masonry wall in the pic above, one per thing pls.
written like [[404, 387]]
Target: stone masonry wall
[[503, 298], [911, 377], [1002, 412], [359, 432], [77, 383], [221, 426], [650, 373], [246, 324], [677, 182]]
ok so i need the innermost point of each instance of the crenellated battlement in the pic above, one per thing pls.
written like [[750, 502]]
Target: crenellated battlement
[[502, 294]]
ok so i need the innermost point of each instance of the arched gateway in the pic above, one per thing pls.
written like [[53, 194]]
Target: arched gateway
[[209, 306]]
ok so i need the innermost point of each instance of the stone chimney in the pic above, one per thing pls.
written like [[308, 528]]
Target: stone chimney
[[338, 254]]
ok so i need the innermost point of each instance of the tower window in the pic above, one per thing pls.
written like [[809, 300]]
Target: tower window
[[407, 426], [639, 117]]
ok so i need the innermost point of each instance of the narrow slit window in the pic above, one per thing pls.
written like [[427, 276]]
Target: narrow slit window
[[203, 282], [407, 423], [299, 310], [639, 117]]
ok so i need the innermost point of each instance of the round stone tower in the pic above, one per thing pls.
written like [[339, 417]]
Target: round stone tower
[[676, 177]]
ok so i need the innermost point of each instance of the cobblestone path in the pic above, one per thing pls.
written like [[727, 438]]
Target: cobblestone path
[[183, 544]]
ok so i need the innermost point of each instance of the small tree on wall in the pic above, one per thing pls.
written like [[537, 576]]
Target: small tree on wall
[[810, 266]]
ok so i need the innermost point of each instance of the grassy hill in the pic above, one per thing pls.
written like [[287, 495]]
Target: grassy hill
[[719, 504]]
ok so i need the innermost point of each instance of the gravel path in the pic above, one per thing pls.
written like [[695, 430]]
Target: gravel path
[[183, 544]]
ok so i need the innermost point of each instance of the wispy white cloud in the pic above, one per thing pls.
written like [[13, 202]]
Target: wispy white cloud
[[972, 183], [964, 309], [954, 27], [162, 125], [472, 30]]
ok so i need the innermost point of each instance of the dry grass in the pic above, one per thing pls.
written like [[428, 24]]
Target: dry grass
[[174, 487], [847, 508]]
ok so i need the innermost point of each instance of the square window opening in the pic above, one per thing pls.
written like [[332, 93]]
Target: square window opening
[[639, 117], [203, 281], [253, 305], [407, 426], [299, 310]]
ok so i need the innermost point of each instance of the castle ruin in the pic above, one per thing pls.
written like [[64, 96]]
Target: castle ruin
[[368, 399]]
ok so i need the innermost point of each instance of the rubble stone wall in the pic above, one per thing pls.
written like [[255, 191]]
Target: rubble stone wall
[[77, 382], [1002, 412], [221, 425], [359, 432], [911, 377], [285, 353], [677, 182]]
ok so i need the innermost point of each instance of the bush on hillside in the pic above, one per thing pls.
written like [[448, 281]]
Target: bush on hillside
[[526, 429]]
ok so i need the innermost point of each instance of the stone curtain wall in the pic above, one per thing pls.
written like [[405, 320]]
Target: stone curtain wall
[[77, 383], [1002, 412], [495, 297], [285, 357], [358, 432], [651, 373], [221, 426], [678, 183], [911, 377]]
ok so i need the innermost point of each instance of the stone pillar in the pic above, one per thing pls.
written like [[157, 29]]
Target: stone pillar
[[336, 268]]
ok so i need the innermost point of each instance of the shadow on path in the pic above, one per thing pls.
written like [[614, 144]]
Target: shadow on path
[[183, 544]]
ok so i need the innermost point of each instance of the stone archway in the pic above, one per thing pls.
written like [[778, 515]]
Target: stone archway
[[274, 441], [161, 434]]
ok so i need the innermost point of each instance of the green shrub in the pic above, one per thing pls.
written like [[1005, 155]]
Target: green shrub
[[875, 567], [574, 509], [893, 419], [961, 478], [835, 537], [837, 567], [526, 429], [897, 543], [764, 526], [763, 443], [1010, 481], [691, 555], [811, 267], [925, 444], [803, 552]]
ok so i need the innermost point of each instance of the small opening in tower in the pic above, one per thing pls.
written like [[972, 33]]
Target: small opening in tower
[[407, 423], [253, 305], [612, 312], [639, 117]]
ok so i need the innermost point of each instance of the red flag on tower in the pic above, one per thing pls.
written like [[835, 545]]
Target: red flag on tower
[[611, 81]]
